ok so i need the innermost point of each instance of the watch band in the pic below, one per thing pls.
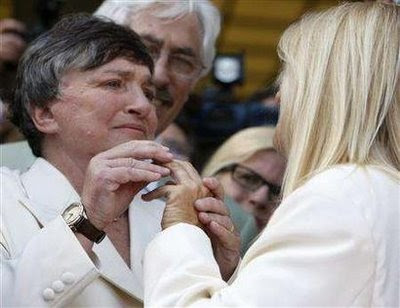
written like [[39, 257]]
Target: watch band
[[89, 231]]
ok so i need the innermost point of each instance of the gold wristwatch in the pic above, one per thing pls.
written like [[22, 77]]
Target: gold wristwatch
[[76, 218]]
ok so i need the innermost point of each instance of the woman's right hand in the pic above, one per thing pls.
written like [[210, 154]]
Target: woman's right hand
[[180, 195]]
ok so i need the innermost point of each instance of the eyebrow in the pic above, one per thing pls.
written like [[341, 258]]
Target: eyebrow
[[175, 50], [125, 74]]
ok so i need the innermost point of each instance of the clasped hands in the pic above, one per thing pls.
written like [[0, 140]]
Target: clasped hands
[[191, 200], [115, 176]]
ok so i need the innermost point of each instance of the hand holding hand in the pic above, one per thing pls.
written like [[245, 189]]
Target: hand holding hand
[[114, 177], [214, 215], [181, 195]]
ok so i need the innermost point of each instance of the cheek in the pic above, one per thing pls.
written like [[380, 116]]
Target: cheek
[[152, 123]]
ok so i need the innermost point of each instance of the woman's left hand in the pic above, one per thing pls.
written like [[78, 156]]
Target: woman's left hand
[[215, 217], [199, 202]]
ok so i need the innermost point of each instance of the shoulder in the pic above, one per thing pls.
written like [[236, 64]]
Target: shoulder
[[10, 182], [355, 184]]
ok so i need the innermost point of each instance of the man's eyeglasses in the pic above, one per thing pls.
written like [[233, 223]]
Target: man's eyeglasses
[[252, 181], [182, 64]]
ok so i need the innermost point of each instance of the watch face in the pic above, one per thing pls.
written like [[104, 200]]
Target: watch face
[[73, 213]]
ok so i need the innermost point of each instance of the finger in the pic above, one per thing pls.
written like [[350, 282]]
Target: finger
[[212, 205], [224, 221], [9, 24], [179, 171], [226, 238], [160, 192], [215, 187], [121, 175], [137, 164], [139, 149]]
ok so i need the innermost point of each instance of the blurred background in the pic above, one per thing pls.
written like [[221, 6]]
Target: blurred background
[[250, 27]]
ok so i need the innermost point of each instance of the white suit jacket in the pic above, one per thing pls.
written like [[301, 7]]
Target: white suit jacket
[[334, 242], [43, 264]]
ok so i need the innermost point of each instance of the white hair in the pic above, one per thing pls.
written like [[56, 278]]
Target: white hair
[[122, 11]]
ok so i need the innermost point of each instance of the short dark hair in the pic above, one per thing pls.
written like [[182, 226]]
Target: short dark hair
[[77, 42]]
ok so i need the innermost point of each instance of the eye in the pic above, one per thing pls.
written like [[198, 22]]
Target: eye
[[182, 65], [113, 84]]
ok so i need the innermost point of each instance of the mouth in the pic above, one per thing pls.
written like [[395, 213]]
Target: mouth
[[132, 127]]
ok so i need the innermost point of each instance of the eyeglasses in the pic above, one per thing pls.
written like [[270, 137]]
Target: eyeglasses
[[251, 180], [181, 64]]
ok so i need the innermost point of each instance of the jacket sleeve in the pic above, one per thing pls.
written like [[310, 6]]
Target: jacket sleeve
[[316, 251], [50, 270]]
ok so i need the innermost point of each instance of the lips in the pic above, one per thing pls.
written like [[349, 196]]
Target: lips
[[136, 127]]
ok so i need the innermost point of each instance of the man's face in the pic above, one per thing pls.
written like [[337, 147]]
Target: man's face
[[176, 49], [101, 108]]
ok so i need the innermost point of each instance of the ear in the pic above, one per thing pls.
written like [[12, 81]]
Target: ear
[[44, 120]]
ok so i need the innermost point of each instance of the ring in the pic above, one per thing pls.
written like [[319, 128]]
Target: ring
[[232, 228]]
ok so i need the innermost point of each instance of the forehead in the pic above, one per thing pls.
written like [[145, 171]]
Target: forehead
[[183, 32], [119, 67]]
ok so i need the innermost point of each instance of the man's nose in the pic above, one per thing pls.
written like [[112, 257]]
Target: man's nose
[[161, 74], [260, 197]]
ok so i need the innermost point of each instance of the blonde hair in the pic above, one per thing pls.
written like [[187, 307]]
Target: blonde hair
[[239, 147], [340, 91]]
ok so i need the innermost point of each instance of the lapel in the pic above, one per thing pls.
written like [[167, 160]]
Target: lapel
[[145, 223], [48, 193]]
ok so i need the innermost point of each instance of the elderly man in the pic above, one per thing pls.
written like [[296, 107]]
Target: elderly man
[[70, 234], [180, 36]]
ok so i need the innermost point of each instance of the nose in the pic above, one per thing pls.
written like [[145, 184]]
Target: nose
[[161, 74], [138, 103], [260, 197]]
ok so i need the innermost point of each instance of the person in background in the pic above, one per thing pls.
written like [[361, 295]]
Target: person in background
[[84, 101], [251, 173], [12, 47], [334, 240]]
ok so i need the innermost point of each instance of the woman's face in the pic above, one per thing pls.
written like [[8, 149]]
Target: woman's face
[[253, 184]]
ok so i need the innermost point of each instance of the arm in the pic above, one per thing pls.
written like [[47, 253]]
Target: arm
[[310, 254], [34, 258]]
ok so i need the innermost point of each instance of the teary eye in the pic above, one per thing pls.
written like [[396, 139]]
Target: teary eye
[[113, 84]]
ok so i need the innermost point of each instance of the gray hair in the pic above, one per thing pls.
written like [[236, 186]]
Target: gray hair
[[122, 12], [77, 42]]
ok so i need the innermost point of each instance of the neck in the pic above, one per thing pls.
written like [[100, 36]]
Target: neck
[[73, 168]]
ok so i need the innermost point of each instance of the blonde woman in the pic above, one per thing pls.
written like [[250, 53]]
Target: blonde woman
[[250, 171], [335, 238]]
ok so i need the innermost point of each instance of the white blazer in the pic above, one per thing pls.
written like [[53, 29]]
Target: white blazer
[[335, 242], [42, 262]]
